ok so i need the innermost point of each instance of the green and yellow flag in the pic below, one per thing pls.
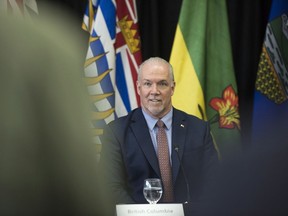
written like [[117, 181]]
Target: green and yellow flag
[[204, 73]]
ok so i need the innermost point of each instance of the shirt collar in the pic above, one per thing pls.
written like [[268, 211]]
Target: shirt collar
[[151, 122]]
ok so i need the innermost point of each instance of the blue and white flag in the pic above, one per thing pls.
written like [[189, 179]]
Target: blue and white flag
[[113, 58]]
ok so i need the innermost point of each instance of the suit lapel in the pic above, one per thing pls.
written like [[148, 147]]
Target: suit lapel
[[179, 129], [141, 131]]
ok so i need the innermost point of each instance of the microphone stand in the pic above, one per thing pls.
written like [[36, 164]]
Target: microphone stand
[[190, 209], [176, 148]]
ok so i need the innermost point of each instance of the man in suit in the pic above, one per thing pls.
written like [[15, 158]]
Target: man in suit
[[130, 146]]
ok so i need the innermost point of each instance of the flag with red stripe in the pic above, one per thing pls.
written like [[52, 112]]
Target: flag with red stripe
[[113, 59]]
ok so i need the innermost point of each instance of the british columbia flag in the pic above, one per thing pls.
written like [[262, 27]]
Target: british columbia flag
[[112, 60]]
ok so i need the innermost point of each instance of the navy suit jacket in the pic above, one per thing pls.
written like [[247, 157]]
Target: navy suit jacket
[[129, 157]]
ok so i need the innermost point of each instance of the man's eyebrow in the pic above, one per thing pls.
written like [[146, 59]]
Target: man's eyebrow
[[147, 80], [163, 81]]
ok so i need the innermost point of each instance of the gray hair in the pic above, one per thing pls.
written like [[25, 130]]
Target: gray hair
[[156, 60]]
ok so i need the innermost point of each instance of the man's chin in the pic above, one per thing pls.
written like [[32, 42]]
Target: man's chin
[[157, 113]]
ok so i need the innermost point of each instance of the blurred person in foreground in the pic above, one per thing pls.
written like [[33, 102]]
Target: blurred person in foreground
[[47, 157], [253, 183], [130, 146]]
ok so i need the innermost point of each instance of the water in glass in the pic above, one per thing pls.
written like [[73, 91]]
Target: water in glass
[[152, 190]]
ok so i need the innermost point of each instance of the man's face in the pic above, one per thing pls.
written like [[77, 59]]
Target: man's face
[[155, 89]]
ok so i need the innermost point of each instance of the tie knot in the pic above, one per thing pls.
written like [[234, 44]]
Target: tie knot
[[160, 123]]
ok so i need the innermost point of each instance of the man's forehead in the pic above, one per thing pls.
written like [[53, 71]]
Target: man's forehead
[[155, 72], [155, 80], [155, 76]]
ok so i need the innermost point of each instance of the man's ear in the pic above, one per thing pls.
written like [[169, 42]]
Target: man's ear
[[138, 87], [173, 87]]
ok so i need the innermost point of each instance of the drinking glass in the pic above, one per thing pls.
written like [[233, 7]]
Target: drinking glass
[[152, 190]]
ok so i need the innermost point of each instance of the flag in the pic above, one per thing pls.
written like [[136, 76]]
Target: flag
[[270, 110], [204, 73], [25, 8], [112, 60], [89, 15]]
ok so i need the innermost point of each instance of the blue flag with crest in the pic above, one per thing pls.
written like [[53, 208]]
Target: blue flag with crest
[[270, 114]]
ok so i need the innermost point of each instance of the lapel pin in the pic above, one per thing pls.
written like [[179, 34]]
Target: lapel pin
[[182, 125]]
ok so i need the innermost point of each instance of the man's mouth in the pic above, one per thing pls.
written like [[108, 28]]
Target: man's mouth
[[155, 100]]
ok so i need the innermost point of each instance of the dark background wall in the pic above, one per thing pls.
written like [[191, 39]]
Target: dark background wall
[[158, 20]]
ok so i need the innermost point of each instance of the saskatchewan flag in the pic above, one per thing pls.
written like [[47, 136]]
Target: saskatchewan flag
[[204, 73]]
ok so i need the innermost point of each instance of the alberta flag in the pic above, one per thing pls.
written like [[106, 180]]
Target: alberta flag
[[204, 72], [112, 60], [270, 115]]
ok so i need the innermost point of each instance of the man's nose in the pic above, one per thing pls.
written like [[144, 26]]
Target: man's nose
[[154, 89]]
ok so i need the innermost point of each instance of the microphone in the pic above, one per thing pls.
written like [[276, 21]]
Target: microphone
[[176, 148]]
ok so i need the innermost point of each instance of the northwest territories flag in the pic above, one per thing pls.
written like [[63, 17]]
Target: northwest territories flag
[[271, 88], [204, 72], [24, 8], [113, 58]]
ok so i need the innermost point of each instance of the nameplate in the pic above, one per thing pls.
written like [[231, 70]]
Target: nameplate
[[161, 209]]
